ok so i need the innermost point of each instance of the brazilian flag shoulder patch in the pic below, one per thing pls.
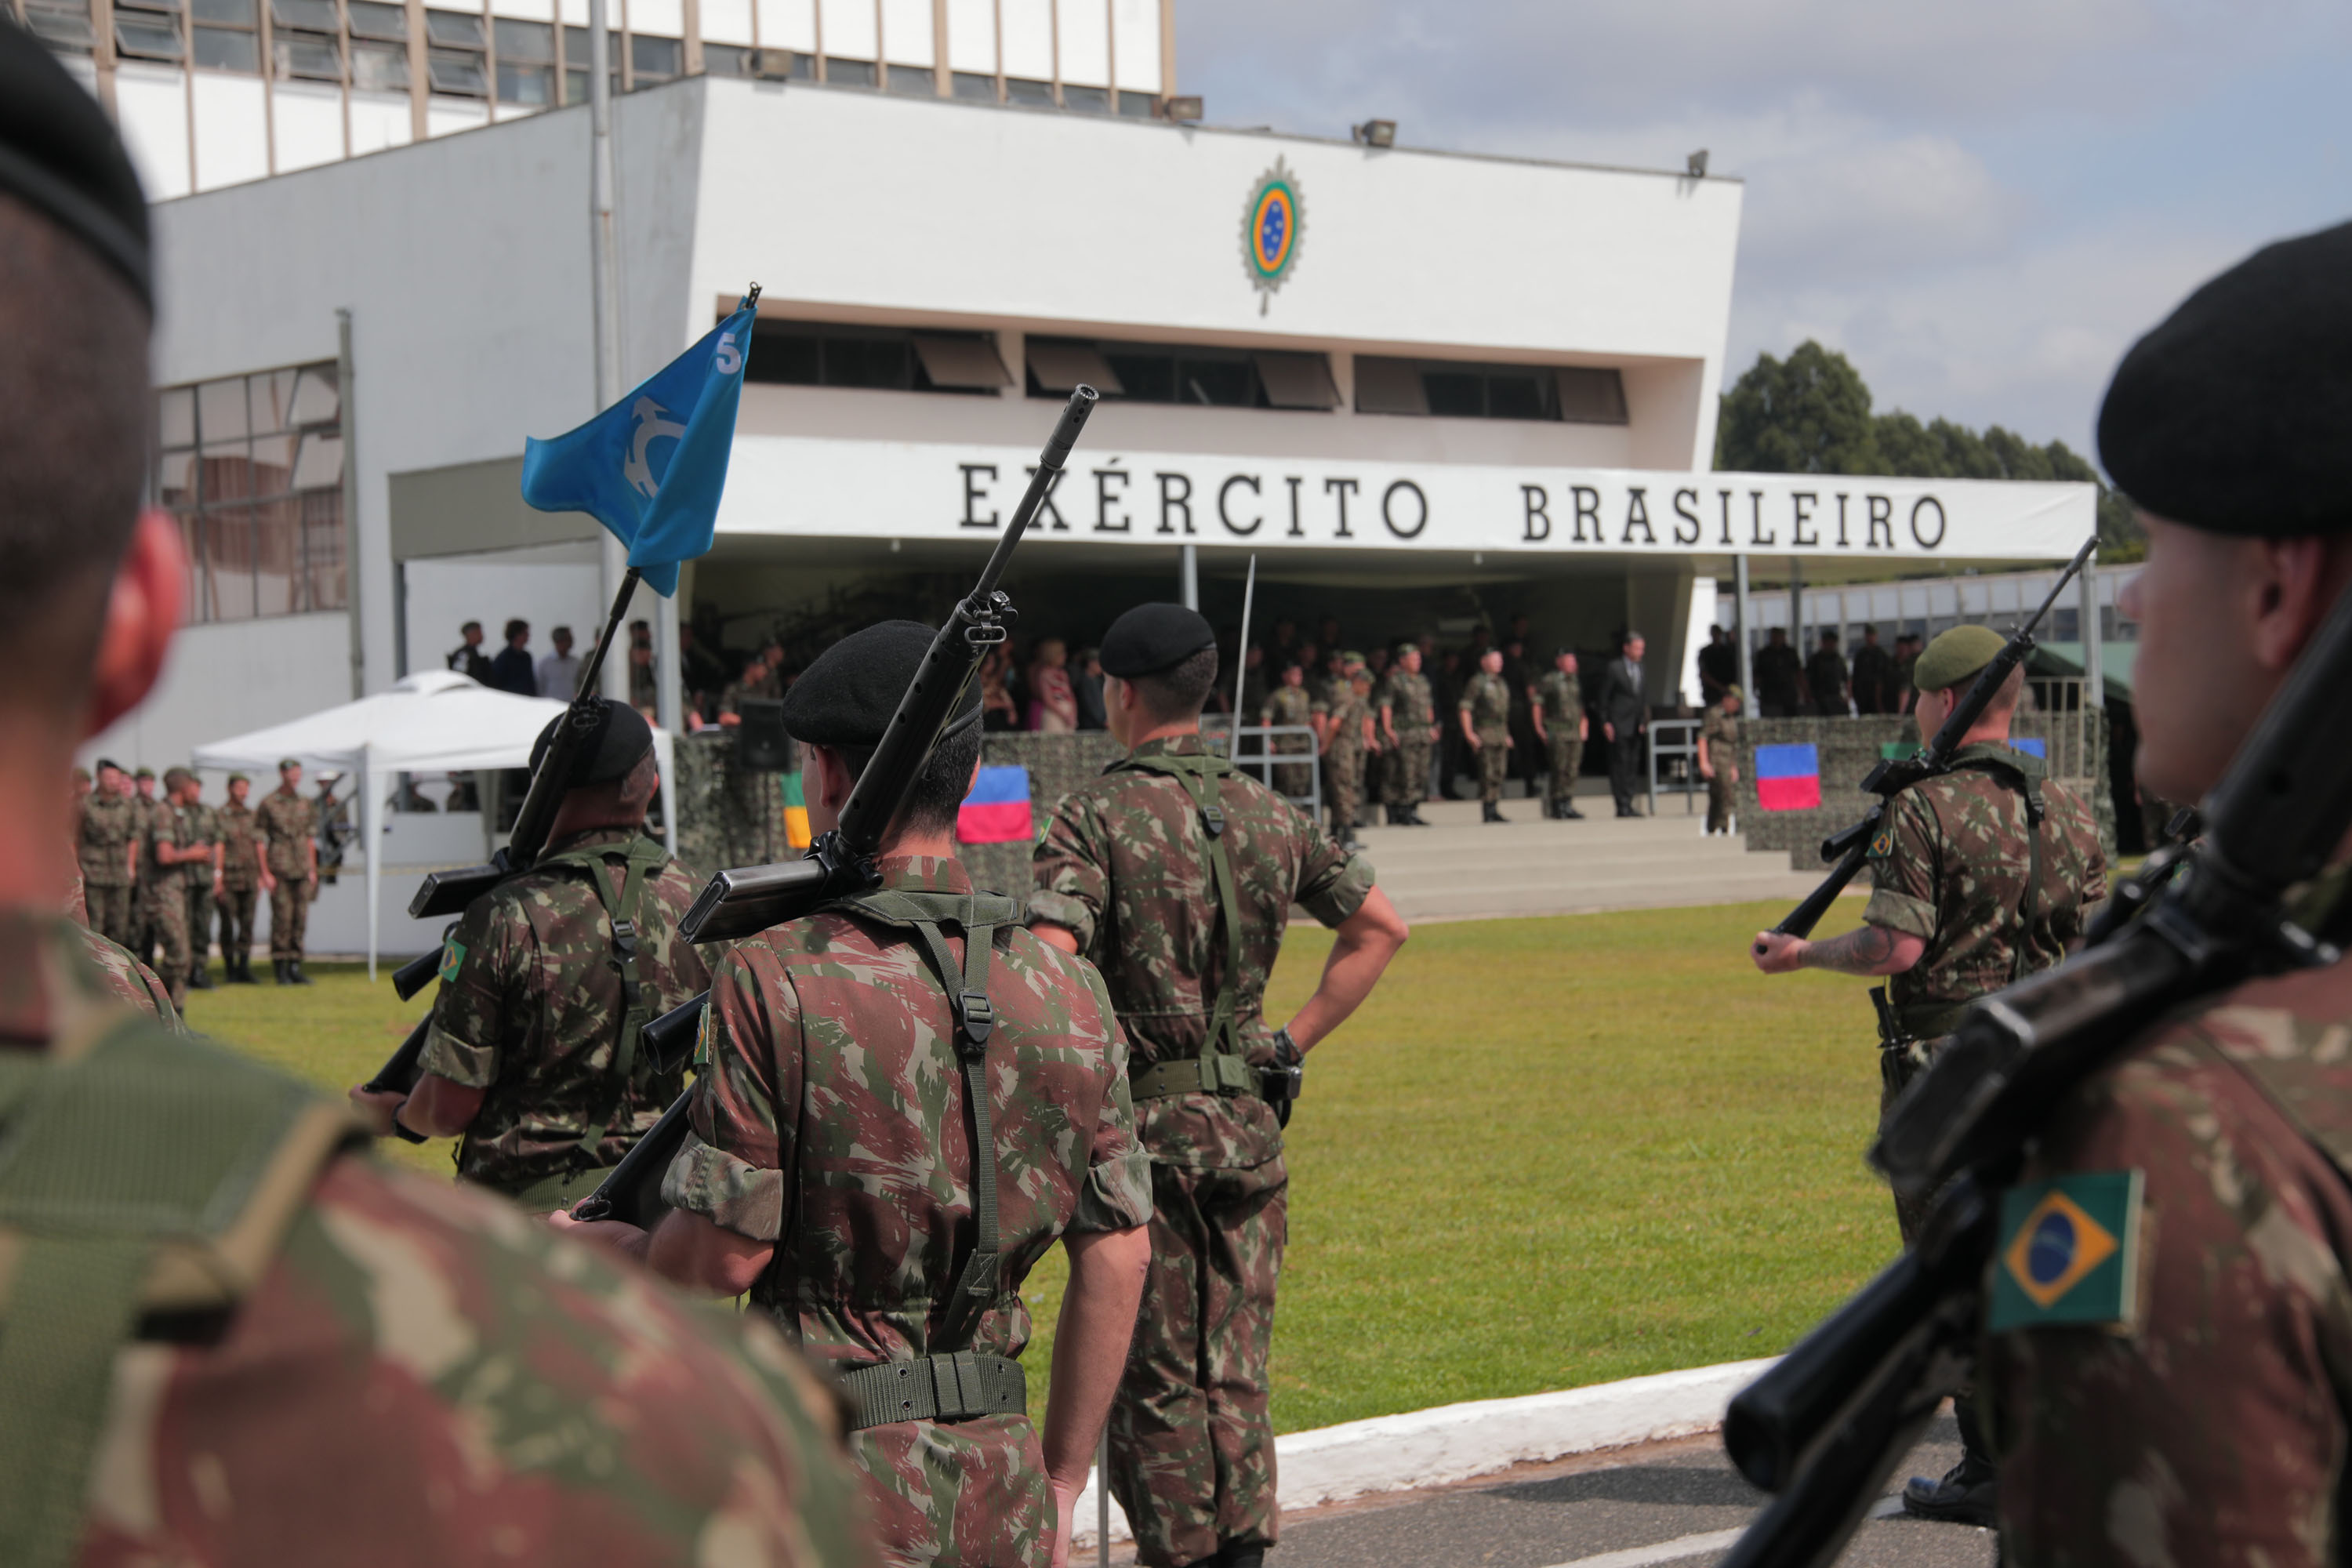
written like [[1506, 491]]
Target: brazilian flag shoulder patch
[[1882, 843], [453, 955], [2069, 1253], [702, 1040]]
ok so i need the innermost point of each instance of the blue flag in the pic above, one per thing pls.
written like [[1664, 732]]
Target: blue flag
[[651, 467]]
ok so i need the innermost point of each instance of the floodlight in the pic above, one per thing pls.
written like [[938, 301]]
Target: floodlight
[[1696, 165], [1375, 132], [1184, 111]]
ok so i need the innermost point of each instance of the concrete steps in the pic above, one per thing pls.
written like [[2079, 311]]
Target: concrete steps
[[1462, 869]]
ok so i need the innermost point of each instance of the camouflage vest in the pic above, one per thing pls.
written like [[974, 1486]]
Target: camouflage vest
[[645, 858], [142, 1178]]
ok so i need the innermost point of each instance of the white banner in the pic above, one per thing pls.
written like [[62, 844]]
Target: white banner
[[885, 489]]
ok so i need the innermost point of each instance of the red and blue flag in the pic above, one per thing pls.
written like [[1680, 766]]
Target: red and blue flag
[[1787, 778], [997, 809]]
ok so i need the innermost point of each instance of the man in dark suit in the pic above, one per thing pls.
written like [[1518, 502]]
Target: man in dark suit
[[1624, 718], [512, 670]]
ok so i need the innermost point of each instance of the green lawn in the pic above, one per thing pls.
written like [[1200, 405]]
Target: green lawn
[[1549, 1152]]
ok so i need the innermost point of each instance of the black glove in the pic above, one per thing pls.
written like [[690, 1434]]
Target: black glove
[[1280, 1083]]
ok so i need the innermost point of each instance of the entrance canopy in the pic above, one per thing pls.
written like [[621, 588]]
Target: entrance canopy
[[435, 721]]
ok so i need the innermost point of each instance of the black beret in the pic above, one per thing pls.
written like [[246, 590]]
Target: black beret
[[620, 738], [1149, 639], [2231, 416], [847, 697], [59, 155]]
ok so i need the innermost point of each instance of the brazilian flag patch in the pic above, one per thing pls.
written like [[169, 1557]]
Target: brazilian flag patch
[[702, 1040], [2069, 1252], [453, 955], [1882, 843]]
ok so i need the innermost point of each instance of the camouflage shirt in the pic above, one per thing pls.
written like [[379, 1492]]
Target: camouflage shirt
[[1560, 696], [1124, 865], [285, 822], [240, 849], [118, 970], [1487, 699], [1406, 696], [1949, 866], [503, 1391], [164, 824], [1720, 731], [530, 1008], [2212, 1427], [1288, 705], [829, 1119], [204, 828], [108, 826], [1348, 710]]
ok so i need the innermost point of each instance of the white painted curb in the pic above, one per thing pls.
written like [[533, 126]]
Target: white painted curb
[[1458, 1442]]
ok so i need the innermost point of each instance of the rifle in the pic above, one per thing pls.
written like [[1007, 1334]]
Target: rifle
[[749, 899], [1825, 1428], [1846, 850], [448, 893]]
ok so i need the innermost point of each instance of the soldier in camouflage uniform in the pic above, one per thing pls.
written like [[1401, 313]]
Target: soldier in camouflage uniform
[[254, 1346], [240, 880], [1129, 872], [1563, 727], [105, 844], [1408, 729], [1289, 705], [880, 1165], [124, 977], [167, 850], [1347, 726], [1719, 757], [145, 873], [1980, 877], [201, 882], [2210, 1422], [533, 1054], [1486, 717], [289, 826]]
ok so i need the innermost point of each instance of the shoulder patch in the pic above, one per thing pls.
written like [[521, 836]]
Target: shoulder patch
[[702, 1040], [1882, 844], [2069, 1253], [453, 957]]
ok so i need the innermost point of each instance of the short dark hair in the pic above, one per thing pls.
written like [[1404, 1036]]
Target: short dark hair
[[1177, 691], [946, 779], [517, 628], [75, 413], [469, 626]]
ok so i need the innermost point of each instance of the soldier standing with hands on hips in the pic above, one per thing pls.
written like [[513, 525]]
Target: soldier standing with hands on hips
[[547, 982], [1176, 874], [1979, 877], [1562, 725], [289, 827], [1486, 718]]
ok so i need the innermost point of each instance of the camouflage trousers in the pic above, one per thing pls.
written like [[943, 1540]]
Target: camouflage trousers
[[1406, 781], [1292, 778], [1897, 1065], [1566, 756], [109, 913], [1494, 761], [236, 922], [199, 898], [164, 909], [1343, 790], [1191, 1444], [963, 1494], [1722, 795], [290, 913]]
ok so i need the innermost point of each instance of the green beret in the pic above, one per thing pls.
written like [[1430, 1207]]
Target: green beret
[[1149, 639], [240, 778], [618, 739], [285, 763], [847, 696], [145, 773], [1734, 693], [2230, 415], [1955, 656]]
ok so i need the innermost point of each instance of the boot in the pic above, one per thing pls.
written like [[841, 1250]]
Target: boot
[[277, 967], [1237, 1555], [1967, 1493], [1413, 817], [1491, 813], [244, 972], [1567, 812], [200, 977], [294, 972]]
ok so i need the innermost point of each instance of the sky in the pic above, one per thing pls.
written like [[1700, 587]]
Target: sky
[[1982, 203]]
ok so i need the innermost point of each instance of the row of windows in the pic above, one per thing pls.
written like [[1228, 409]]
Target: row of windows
[[806, 353], [252, 465]]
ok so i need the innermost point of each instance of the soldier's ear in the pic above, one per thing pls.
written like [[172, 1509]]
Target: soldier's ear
[[142, 611]]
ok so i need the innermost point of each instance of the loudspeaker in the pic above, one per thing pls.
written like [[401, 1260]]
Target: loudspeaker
[[761, 743]]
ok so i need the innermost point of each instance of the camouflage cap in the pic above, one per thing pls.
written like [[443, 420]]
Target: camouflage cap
[[240, 778], [143, 772], [175, 777], [1734, 694], [1350, 659], [285, 763], [1955, 655]]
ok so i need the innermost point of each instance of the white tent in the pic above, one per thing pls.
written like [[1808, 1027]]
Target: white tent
[[435, 721]]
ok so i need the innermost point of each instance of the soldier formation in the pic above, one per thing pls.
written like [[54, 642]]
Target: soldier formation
[[229, 1338]]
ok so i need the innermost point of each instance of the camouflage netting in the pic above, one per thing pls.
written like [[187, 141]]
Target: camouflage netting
[[1849, 748]]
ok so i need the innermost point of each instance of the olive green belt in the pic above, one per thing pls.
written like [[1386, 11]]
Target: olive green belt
[[558, 1192], [1219, 1073], [935, 1388], [1924, 1020]]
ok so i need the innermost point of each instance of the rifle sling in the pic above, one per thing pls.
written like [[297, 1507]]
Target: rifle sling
[[644, 859], [1223, 1066]]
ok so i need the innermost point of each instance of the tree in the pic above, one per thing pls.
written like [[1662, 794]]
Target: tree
[[1811, 414]]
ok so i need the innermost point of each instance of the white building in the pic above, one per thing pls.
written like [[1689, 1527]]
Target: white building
[[1451, 388]]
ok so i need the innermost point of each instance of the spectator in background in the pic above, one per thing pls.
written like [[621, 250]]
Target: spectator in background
[[1779, 681], [1906, 655], [997, 709], [1873, 677], [1254, 692], [463, 796], [1088, 682], [468, 658], [643, 695], [407, 797], [705, 674], [1825, 672], [511, 671], [559, 672], [1053, 704], [1719, 665]]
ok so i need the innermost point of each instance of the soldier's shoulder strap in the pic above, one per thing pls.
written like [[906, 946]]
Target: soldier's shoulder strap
[[642, 859], [140, 1174], [1222, 1065]]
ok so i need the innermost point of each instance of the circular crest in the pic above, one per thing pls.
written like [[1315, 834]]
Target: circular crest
[[1273, 220]]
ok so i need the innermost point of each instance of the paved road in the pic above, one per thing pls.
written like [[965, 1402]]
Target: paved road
[[1678, 1503]]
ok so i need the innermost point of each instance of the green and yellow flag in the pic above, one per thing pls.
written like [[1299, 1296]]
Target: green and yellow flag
[[2069, 1252]]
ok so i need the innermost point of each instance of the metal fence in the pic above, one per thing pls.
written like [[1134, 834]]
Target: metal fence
[[1257, 755], [1673, 757]]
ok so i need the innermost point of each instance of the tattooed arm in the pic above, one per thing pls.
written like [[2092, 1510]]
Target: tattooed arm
[[1866, 950]]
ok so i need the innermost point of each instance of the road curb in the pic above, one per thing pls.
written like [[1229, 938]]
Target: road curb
[[1459, 1442]]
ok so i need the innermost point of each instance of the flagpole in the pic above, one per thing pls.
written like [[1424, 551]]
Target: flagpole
[[1241, 657], [604, 280]]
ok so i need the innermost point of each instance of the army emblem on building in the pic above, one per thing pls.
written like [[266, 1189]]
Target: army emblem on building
[[1272, 221]]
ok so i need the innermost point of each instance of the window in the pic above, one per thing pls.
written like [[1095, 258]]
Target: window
[[1085, 100], [1172, 373], [306, 39], [227, 36], [61, 24], [655, 61], [890, 358], [1035, 94], [913, 81], [1575, 393], [1138, 105], [375, 19], [575, 63], [766, 65], [253, 468], [147, 29], [456, 64], [973, 87], [848, 73], [526, 62]]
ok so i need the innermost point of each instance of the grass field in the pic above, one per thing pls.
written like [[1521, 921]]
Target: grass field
[[1547, 1153]]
